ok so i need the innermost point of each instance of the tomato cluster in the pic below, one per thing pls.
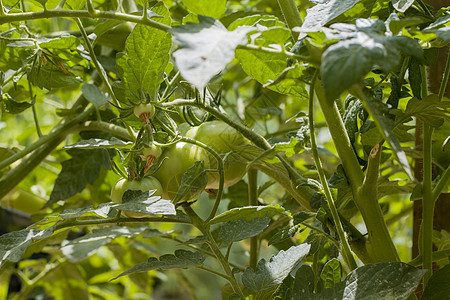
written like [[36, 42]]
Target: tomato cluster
[[176, 159]]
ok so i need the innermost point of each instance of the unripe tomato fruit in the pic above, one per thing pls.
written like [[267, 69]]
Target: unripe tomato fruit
[[178, 159], [144, 111], [223, 139], [144, 185], [153, 150]]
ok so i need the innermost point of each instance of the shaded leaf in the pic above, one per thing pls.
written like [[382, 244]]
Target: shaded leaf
[[249, 213], [100, 143], [82, 169], [14, 244], [242, 229], [182, 259], [438, 287], [205, 48], [270, 274], [363, 47], [93, 94], [83, 247], [304, 283], [331, 273], [193, 180], [14, 107], [50, 76]]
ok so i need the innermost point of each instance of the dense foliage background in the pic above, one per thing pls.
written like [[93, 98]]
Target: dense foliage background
[[324, 108]]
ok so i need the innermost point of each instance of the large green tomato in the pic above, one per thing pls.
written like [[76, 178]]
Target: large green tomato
[[178, 159], [123, 185], [222, 138]]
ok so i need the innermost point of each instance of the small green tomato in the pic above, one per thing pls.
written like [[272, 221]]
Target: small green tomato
[[144, 185], [144, 111]]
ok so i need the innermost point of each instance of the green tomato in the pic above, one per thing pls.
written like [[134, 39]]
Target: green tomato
[[23, 201], [144, 111], [153, 150], [123, 185], [178, 159], [223, 139]]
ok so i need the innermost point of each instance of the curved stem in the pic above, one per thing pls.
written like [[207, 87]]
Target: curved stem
[[64, 13], [291, 15], [346, 252]]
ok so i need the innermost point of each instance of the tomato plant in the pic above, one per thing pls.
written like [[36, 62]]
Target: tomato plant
[[290, 145]]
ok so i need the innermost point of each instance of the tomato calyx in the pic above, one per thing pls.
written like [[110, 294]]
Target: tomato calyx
[[150, 154], [144, 111]]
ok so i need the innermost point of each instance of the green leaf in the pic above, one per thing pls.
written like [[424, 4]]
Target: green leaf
[[205, 48], [331, 273], [387, 280], [100, 143], [64, 42], [193, 180], [181, 260], [147, 54], [82, 169], [14, 244], [270, 69], [438, 287], [67, 282], [85, 246], [429, 110], [94, 94], [328, 11], [50, 76], [14, 107], [242, 229], [210, 8], [348, 61], [249, 213], [144, 202], [270, 274], [303, 283], [402, 5]]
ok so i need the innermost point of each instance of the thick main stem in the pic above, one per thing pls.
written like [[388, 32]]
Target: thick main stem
[[380, 244]]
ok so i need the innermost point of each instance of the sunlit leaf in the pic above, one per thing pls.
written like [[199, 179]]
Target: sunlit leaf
[[182, 259], [206, 48], [272, 273]]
